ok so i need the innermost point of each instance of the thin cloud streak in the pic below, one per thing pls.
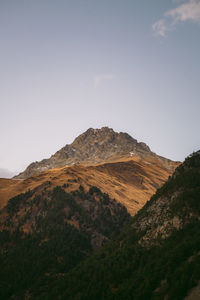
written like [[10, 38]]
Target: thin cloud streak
[[99, 78], [189, 11], [160, 28]]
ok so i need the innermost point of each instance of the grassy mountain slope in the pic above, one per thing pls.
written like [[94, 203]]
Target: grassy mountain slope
[[157, 256], [130, 180]]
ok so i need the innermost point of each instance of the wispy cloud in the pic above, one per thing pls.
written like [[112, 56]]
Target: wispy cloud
[[188, 11], [160, 28], [99, 78]]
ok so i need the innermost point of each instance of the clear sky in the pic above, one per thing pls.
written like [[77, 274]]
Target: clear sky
[[67, 65]]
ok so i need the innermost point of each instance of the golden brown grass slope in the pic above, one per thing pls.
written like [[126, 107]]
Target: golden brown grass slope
[[130, 180]]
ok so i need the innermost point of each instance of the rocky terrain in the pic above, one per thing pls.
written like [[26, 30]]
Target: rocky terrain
[[114, 162], [174, 205], [92, 147]]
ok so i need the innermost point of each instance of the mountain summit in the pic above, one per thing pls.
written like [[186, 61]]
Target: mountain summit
[[91, 147], [114, 162]]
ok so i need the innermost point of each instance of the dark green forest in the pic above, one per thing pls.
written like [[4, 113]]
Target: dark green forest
[[133, 272], [53, 246]]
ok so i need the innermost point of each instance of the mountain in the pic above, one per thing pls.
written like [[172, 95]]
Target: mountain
[[64, 238], [44, 234], [114, 162], [131, 180], [92, 147], [156, 256]]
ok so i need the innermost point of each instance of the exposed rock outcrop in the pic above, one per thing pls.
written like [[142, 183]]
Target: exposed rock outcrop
[[92, 147]]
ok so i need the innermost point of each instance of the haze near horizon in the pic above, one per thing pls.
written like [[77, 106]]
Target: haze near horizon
[[70, 65]]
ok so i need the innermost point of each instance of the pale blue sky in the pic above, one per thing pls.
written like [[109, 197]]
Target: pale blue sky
[[65, 66]]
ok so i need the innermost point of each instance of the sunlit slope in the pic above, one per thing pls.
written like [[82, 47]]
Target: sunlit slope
[[130, 180]]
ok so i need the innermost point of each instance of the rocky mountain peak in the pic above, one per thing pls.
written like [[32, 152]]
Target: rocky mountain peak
[[103, 135], [96, 135], [92, 146]]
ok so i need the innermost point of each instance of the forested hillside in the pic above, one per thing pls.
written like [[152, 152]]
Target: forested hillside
[[157, 256]]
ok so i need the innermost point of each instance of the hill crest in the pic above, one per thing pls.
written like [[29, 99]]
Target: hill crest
[[94, 146]]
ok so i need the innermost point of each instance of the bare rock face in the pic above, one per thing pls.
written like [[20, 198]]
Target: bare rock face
[[173, 206], [96, 145], [93, 146]]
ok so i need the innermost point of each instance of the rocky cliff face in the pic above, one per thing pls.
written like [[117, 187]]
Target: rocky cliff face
[[174, 205], [91, 147]]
